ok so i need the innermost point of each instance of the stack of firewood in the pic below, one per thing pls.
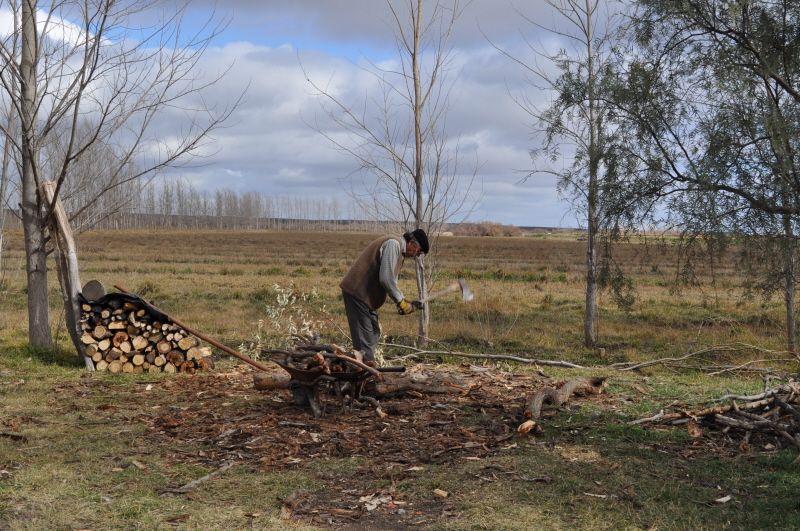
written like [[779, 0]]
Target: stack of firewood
[[123, 336]]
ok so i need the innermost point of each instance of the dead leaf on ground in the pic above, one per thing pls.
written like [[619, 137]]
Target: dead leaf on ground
[[694, 429]]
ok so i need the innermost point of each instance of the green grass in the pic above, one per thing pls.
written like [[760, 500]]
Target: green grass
[[75, 469]]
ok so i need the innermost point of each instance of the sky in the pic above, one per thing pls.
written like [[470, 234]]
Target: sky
[[272, 144]]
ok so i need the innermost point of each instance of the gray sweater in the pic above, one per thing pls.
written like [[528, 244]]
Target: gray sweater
[[390, 253]]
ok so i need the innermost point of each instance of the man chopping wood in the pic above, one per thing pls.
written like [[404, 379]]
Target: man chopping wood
[[373, 277]]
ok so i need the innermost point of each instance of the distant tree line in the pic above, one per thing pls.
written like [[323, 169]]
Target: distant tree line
[[177, 204]]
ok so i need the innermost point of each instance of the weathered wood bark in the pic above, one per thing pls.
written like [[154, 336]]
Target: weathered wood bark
[[39, 333], [399, 384], [558, 396], [68, 272]]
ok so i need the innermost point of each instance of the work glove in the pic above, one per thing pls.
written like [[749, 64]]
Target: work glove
[[417, 305], [404, 307]]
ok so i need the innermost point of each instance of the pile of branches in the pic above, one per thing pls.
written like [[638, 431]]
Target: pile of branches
[[773, 414], [319, 360]]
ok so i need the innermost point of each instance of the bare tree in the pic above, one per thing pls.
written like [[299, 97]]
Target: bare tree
[[398, 134], [88, 75], [576, 124]]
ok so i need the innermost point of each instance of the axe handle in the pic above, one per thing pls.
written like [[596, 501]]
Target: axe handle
[[455, 286]]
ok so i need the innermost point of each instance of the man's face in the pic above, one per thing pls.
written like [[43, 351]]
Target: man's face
[[413, 250]]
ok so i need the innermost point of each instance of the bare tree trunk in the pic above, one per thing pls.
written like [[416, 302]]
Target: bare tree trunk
[[6, 164], [424, 315], [789, 269], [590, 317], [36, 257], [4, 177]]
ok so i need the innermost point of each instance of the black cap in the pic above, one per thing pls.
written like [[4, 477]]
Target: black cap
[[422, 239]]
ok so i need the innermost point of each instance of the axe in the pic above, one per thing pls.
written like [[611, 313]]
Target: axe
[[459, 285]]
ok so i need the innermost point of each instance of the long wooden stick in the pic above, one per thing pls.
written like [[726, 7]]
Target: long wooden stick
[[503, 357], [192, 484], [211, 341]]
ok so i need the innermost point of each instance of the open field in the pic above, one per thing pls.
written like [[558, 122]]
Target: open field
[[99, 450]]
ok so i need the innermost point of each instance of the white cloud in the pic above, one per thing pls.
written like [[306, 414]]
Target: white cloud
[[268, 145]]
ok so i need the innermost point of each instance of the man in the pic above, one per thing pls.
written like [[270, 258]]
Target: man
[[373, 277]]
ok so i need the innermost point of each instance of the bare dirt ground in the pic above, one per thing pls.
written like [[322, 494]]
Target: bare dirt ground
[[216, 419]]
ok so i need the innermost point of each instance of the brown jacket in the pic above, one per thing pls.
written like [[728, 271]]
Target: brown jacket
[[362, 281]]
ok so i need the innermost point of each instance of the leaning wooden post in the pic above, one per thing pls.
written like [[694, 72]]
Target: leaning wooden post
[[68, 272]]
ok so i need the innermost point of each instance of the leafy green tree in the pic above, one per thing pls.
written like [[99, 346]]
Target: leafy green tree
[[711, 93]]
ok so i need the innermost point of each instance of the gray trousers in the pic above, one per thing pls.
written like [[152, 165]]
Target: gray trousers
[[364, 328]]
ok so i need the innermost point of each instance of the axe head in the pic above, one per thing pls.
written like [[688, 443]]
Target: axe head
[[466, 293]]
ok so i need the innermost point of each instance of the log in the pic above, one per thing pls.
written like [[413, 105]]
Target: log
[[139, 343], [169, 368], [115, 367], [97, 356], [127, 367], [87, 339], [269, 381], [398, 384], [187, 343], [101, 365], [175, 357], [561, 395], [91, 350], [164, 347], [160, 361], [119, 338], [99, 332], [104, 345], [125, 346], [137, 359], [193, 353], [117, 325]]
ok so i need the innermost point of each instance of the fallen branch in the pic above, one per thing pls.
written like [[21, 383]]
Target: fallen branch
[[561, 395], [13, 435], [746, 366], [193, 484], [496, 357], [734, 347]]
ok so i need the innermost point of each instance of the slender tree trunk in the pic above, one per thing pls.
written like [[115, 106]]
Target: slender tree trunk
[[6, 164], [4, 177], [424, 314], [39, 333], [789, 272], [590, 316]]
